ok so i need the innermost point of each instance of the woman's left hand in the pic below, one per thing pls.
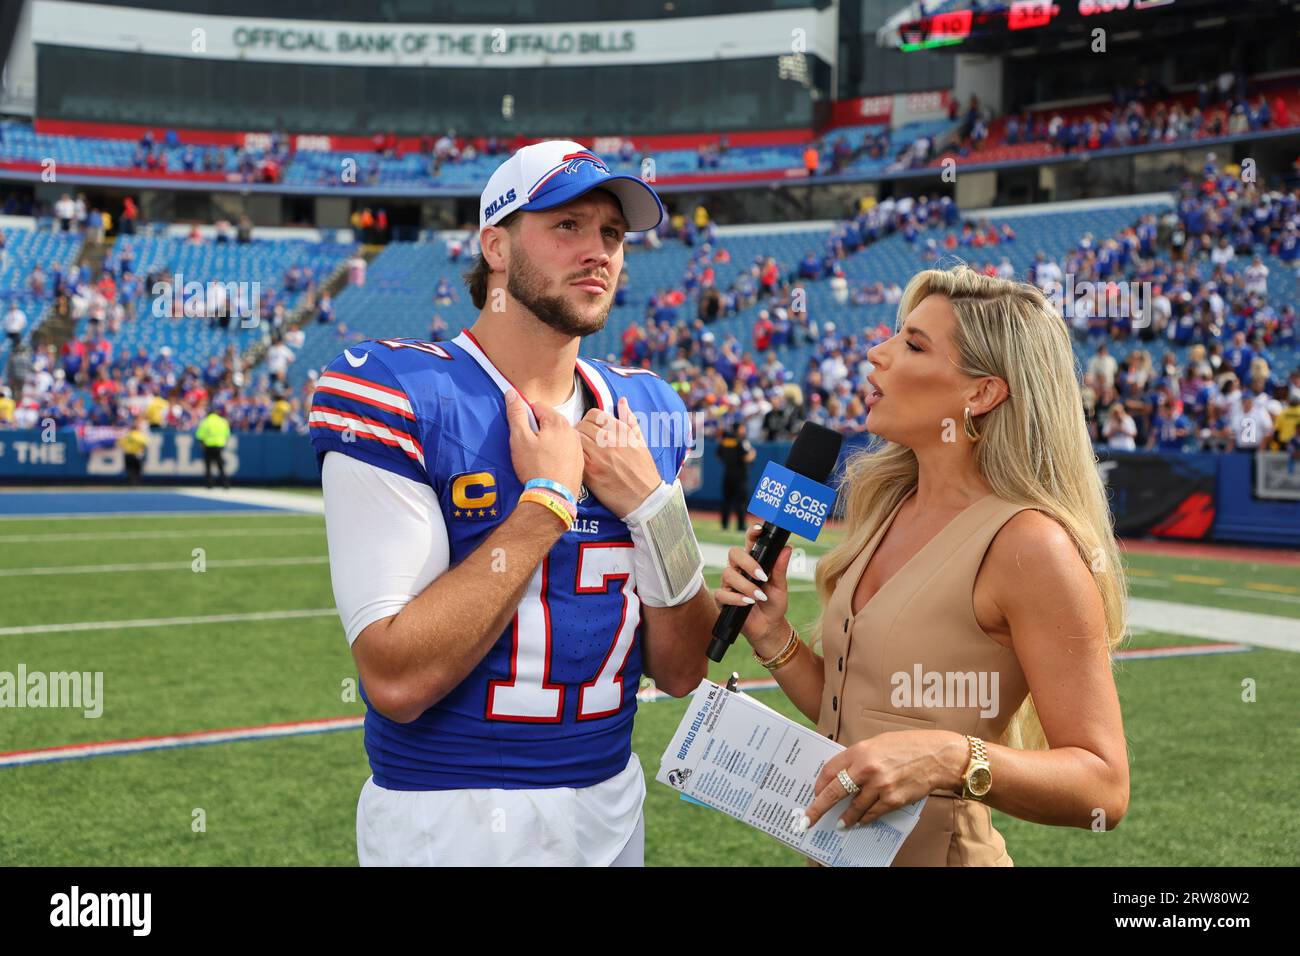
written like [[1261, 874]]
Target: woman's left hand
[[893, 769]]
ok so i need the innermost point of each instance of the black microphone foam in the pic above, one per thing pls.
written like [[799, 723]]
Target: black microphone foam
[[814, 453]]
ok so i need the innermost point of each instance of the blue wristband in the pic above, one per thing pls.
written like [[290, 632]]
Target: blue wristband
[[554, 486]]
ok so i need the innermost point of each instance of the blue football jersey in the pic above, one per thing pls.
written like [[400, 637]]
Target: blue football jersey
[[552, 703]]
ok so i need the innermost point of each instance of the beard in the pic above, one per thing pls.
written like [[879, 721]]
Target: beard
[[527, 285]]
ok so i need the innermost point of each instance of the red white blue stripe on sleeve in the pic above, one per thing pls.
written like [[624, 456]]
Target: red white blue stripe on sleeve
[[365, 392], [366, 411], [363, 427]]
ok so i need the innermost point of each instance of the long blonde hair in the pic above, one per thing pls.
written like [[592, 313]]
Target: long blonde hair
[[1034, 447]]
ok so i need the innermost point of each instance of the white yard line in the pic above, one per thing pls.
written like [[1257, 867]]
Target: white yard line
[[715, 556], [82, 515], [110, 748], [1216, 624], [1169, 617], [163, 566], [146, 535], [167, 621], [1261, 596]]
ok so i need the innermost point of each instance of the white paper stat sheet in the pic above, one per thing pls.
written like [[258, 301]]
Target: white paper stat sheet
[[736, 754]]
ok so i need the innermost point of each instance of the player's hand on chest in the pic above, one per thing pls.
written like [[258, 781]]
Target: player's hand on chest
[[618, 467]]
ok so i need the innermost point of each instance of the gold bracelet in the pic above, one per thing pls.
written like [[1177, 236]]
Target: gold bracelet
[[796, 646], [550, 504], [785, 654], [788, 655]]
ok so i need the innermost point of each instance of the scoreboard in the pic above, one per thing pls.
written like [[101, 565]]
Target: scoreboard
[[1016, 17]]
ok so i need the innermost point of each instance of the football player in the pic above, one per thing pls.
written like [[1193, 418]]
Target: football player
[[509, 544]]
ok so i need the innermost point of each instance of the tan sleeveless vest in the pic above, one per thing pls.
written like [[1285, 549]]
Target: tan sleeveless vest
[[915, 632]]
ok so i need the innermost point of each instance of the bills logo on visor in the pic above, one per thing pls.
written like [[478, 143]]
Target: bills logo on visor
[[575, 161], [571, 163]]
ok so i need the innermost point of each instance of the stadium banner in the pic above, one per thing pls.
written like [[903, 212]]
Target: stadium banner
[[920, 107], [1191, 496], [1243, 514], [1165, 496], [35, 456], [862, 109], [483, 45]]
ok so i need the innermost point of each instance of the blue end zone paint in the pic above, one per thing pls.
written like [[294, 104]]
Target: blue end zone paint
[[36, 504]]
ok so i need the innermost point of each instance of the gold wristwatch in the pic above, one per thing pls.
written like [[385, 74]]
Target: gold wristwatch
[[978, 778]]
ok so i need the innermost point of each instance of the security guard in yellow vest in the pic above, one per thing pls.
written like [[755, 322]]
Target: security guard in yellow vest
[[134, 443], [213, 432]]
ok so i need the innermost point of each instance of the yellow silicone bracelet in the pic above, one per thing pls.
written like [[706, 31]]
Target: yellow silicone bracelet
[[550, 504], [555, 496]]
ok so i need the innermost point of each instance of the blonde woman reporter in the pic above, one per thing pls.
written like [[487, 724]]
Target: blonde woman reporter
[[969, 614]]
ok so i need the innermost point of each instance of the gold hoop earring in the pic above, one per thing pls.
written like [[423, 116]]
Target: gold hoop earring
[[968, 425]]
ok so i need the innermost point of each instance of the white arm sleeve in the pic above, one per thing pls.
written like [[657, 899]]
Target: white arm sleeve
[[387, 539]]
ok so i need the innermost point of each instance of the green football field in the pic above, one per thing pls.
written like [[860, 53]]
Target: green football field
[[251, 640]]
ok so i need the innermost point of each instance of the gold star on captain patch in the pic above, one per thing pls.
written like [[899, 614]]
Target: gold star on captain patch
[[456, 513], [482, 513], [494, 512]]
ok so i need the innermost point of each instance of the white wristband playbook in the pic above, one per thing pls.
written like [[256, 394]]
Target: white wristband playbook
[[666, 557]]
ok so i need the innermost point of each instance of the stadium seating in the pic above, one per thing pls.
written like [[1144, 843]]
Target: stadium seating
[[395, 302], [997, 149], [413, 170], [193, 339], [19, 143], [899, 139], [398, 296], [25, 248], [397, 299]]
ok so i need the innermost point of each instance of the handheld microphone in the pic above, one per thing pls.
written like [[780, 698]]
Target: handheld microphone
[[791, 498]]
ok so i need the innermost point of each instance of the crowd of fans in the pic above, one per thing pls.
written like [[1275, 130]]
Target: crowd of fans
[[88, 381], [72, 213], [1200, 286], [97, 386], [434, 152], [1139, 115], [728, 381], [1201, 283], [249, 166], [1209, 292]]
